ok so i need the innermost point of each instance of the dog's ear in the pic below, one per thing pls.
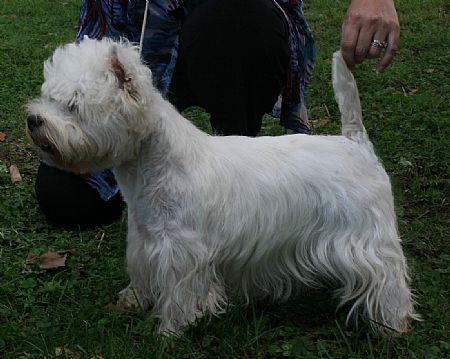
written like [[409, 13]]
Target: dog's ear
[[124, 80], [117, 68]]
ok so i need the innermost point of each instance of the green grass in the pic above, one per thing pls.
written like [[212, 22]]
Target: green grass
[[408, 119]]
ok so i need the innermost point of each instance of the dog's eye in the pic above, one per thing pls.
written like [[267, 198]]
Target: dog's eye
[[72, 107]]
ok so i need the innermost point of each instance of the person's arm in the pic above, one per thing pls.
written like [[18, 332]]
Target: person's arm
[[366, 21]]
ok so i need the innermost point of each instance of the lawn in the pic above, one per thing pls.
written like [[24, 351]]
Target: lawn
[[64, 312]]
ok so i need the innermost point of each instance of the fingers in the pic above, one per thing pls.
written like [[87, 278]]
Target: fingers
[[357, 35], [349, 39], [391, 50], [376, 51], [363, 45], [366, 21]]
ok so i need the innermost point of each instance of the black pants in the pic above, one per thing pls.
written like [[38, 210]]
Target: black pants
[[233, 58], [67, 200]]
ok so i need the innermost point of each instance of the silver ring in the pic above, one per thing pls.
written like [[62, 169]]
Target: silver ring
[[379, 44]]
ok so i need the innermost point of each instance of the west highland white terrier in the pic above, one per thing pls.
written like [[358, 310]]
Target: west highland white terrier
[[210, 216]]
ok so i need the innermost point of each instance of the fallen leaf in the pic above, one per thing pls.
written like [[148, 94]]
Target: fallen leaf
[[429, 71], [66, 353], [409, 90], [49, 260], [405, 163], [2, 136], [14, 174], [59, 351], [320, 121], [120, 307], [328, 60], [110, 307]]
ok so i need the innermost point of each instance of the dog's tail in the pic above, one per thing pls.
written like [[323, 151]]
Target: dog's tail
[[347, 97]]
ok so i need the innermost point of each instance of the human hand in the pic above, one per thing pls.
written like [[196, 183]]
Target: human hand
[[366, 21]]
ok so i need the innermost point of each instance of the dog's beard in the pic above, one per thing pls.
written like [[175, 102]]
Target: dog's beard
[[70, 151]]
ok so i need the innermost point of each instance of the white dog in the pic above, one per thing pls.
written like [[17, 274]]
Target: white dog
[[210, 216]]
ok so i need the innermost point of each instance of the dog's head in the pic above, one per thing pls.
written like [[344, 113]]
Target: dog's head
[[90, 112]]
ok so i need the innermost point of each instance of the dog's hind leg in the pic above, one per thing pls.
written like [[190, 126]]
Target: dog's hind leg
[[390, 304], [374, 276]]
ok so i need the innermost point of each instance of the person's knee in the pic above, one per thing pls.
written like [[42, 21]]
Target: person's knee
[[67, 200]]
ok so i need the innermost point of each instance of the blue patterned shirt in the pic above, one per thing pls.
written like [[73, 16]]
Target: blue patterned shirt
[[117, 18]]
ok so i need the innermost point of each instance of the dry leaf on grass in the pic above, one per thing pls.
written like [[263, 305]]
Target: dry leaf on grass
[[14, 174], [66, 353], [2, 136], [120, 307], [49, 260], [409, 90], [320, 121]]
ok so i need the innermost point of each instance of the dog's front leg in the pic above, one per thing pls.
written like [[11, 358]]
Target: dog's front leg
[[176, 273], [187, 296]]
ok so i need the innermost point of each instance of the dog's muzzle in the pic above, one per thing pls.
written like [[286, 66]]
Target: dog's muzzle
[[34, 122]]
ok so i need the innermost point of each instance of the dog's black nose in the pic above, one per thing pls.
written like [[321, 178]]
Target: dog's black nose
[[34, 121]]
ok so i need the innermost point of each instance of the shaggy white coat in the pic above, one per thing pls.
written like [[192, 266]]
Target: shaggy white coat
[[209, 216]]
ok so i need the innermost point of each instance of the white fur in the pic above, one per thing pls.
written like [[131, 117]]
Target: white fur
[[210, 216]]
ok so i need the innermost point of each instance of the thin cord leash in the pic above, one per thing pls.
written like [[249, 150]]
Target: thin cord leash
[[144, 24]]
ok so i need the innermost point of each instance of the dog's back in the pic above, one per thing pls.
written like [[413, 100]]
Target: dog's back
[[347, 97]]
